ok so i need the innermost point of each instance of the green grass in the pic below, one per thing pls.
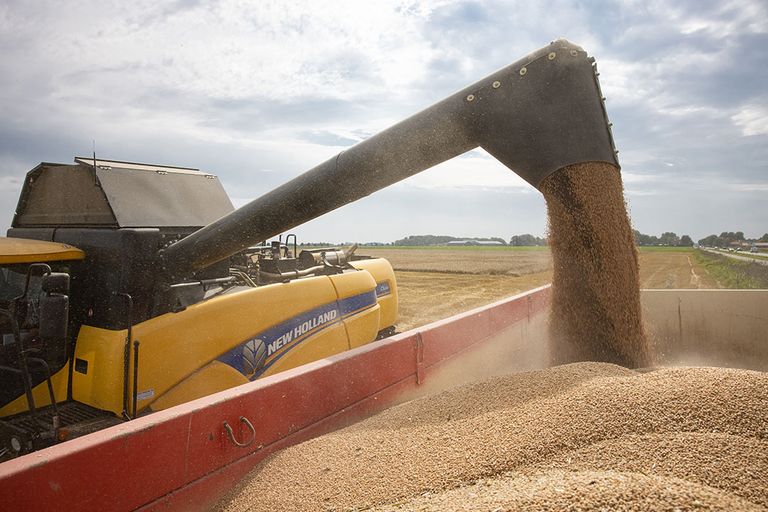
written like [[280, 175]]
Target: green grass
[[665, 249], [731, 273]]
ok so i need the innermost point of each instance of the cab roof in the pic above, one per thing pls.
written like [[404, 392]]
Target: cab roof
[[113, 194], [22, 250]]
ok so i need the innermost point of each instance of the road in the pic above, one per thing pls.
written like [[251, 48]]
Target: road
[[741, 257]]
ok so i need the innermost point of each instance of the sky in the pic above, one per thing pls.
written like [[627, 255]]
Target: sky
[[259, 92]]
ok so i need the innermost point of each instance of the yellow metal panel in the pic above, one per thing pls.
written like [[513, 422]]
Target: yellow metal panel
[[382, 272], [174, 345], [22, 250], [102, 384], [363, 327], [330, 341], [211, 378], [40, 394], [353, 283], [361, 319]]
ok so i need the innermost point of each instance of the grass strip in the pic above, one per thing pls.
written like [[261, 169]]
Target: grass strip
[[731, 273]]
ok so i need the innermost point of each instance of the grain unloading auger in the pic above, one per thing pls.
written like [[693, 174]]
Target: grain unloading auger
[[536, 116], [162, 310]]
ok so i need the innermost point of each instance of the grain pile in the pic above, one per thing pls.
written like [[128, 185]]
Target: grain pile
[[596, 294], [578, 436]]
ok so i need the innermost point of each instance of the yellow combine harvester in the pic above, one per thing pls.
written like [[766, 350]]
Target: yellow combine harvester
[[129, 338], [174, 294]]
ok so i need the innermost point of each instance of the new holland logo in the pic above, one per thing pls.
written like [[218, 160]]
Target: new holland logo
[[254, 356], [300, 330]]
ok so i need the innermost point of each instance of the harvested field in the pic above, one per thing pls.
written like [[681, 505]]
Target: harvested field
[[513, 261], [429, 296], [586, 436], [426, 296]]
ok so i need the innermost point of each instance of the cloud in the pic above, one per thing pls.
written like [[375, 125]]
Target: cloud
[[12, 183], [475, 170], [749, 187], [259, 93], [752, 120]]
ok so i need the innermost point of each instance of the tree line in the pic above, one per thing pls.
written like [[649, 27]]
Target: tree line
[[728, 238], [667, 238], [441, 240]]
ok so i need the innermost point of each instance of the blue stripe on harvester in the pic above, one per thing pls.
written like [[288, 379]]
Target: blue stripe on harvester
[[278, 340], [382, 288], [356, 303]]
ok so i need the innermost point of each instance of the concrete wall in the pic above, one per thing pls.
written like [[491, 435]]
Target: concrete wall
[[708, 327]]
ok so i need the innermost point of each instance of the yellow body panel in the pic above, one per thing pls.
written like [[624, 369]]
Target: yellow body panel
[[22, 250], [40, 394], [175, 346], [209, 379], [361, 322], [102, 384], [328, 342], [382, 273]]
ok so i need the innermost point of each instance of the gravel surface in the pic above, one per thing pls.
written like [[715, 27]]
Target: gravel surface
[[585, 436], [596, 312]]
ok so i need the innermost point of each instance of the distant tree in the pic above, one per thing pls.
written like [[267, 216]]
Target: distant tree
[[711, 241], [669, 238], [522, 240], [526, 240], [425, 240], [763, 238], [421, 240], [643, 239], [685, 241]]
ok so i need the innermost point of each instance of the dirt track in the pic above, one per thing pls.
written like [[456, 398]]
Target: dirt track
[[673, 270]]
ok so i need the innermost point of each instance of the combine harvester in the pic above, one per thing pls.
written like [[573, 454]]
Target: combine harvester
[[174, 319]]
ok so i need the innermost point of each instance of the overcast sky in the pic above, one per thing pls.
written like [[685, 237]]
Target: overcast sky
[[259, 92]]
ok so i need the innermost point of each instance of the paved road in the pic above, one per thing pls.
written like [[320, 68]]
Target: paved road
[[742, 257]]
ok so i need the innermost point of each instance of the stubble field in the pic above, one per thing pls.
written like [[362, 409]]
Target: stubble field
[[437, 282]]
